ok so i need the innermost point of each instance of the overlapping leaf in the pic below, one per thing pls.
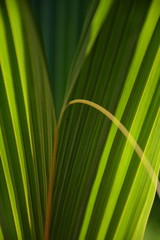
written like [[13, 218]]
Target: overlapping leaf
[[102, 190], [26, 125]]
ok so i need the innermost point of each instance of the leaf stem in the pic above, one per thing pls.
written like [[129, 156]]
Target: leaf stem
[[125, 132], [50, 189]]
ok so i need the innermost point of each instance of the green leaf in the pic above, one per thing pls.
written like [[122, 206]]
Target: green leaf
[[98, 19], [152, 229], [27, 123], [100, 182], [94, 161]]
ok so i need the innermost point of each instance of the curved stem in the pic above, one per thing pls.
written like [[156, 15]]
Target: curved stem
[[125, 132]]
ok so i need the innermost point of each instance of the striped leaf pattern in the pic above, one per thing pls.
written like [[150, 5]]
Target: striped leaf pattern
[[26, 126], [103, 176]]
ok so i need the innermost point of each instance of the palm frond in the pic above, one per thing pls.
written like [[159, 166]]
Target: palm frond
[[27, 124], [95, 186], [97, 171]]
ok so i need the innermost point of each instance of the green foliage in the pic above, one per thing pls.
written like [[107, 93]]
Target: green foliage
[[98, 187]]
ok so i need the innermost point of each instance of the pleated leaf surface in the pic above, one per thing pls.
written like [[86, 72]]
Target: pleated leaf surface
[[103, 190], [26, 125]]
